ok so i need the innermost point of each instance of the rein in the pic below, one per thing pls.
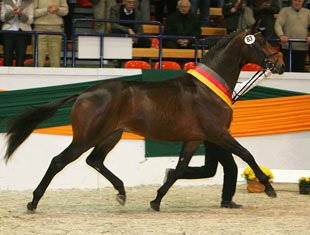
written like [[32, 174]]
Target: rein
[[249, 84], [267, 64]]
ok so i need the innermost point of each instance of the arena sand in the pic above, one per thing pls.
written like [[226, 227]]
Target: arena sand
[[192, 210]]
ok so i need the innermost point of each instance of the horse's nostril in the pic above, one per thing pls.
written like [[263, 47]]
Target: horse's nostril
[[282, 69]]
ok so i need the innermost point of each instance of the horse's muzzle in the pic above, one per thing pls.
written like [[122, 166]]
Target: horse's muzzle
[[279, 68]]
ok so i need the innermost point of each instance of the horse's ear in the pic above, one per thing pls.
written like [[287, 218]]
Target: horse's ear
[[257, 28]]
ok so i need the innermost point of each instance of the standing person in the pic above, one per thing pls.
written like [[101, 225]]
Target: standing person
[[16, 16], [68, 19], [214, 155], [144, 7], [101, 9], [127, 11], [204, 10], [182, 23], [293, 23], [237, 15], [264, 13], [48, 16]]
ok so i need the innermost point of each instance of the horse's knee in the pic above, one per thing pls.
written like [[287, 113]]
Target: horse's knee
[[58, 163], [93, 163]]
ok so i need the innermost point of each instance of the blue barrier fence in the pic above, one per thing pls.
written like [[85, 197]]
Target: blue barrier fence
[[35, 35], [160, 36], [75, 35]]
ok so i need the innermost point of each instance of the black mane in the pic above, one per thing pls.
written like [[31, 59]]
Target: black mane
[[221, 43]]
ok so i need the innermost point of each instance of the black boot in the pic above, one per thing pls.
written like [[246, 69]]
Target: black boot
[[230, 204]]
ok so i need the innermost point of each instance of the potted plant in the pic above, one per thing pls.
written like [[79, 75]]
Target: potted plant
[[254, 186], [304, 185]]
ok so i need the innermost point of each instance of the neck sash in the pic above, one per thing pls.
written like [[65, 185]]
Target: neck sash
[[212, 80]]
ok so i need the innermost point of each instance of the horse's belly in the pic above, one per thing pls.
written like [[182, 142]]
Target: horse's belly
[[169, 133]]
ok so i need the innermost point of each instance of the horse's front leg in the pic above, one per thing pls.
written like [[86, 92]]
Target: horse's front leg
[[186, 154], [232, 145]]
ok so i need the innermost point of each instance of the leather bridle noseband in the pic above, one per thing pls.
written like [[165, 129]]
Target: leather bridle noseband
[[267, 64]]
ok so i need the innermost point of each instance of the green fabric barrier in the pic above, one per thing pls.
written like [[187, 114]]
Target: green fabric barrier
[[14, 102], [161, 149]]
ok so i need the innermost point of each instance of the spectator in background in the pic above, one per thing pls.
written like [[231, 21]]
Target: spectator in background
[[144, 7], [237, 15], [16, 16], [160, 6], [68, 19], [264, 13], [48, 17], [127, 11], [204, 10], [182, 23], [293, 23], [101, 9]]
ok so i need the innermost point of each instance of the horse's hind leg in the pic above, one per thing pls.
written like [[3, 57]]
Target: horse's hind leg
[[96, 159], [186, 154], [232, 145], [71, 153]]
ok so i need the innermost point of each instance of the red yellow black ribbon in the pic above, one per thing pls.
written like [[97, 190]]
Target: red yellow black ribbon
[[210, 81]]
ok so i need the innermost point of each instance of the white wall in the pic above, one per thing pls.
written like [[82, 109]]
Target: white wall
[[286, 154]]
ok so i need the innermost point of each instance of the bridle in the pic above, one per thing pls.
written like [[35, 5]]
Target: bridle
[[267, 65]]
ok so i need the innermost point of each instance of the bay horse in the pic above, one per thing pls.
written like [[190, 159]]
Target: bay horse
[[188, 108]]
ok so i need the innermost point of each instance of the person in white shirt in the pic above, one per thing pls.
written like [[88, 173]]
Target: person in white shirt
[[16, 15]]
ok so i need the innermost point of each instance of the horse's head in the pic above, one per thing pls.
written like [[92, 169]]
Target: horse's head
[[256, 49]]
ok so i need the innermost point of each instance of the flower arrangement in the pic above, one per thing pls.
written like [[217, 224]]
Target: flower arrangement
[[249, 175], [304, 180], [304, 185]]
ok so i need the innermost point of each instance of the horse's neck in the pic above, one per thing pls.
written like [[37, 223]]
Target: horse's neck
[[227, 64]]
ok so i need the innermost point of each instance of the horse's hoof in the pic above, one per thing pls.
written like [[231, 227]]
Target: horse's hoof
[[121, 199], [271, 192], [155, 206], [31, 207]]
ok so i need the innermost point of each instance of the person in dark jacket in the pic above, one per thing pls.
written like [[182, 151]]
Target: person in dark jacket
[[127, 11], [237, 15], [264, 13], [182, 23]]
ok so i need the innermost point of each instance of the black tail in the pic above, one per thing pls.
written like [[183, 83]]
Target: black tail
[[20, 127]]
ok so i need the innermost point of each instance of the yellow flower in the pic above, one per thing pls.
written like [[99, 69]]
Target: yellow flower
[[304, 180], [249, 174]]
